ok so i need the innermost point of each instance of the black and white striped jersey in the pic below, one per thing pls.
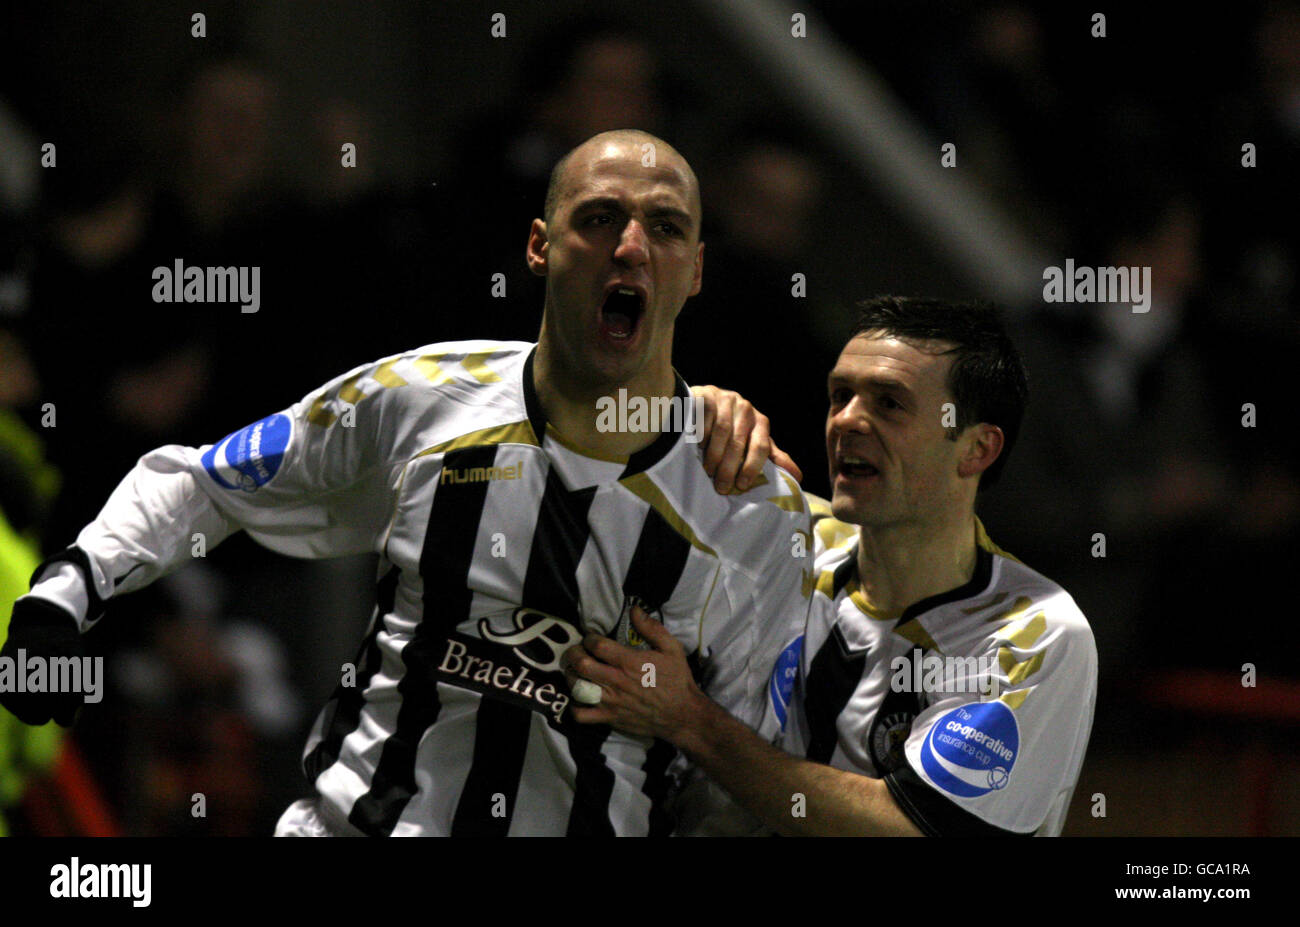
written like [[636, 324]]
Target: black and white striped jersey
[[500, 546], [975, 705]]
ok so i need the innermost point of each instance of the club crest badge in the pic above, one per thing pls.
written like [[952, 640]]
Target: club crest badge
[[624, 633]]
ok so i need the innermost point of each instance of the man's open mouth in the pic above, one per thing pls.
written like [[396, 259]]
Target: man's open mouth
[[621, 313], [855, 466]]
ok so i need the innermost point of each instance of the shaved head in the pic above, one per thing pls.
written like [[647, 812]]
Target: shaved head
[[558, 186]]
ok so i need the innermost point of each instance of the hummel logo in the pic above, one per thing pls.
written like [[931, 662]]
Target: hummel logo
[[481, 474]]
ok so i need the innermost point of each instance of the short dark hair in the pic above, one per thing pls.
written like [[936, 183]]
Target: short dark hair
[[987, 377]]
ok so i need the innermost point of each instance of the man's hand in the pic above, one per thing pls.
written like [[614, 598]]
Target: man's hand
[[739, 440], [759, 776], [647, 693], [42, 630]]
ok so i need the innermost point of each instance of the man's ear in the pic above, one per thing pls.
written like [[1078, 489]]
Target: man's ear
[[538, 244], [699, 271], [983, 444]]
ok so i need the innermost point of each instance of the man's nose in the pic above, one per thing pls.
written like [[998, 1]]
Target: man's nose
[[633, 246], [851, 417]]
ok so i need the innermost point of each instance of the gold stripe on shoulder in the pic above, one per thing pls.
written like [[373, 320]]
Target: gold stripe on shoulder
[[1017, 670], [1017, 698], [384, 374], [513, 433], [826, 583], [794, 501], [429, 368], [821, 508], [835, 535], [319, 415], [351, 393], [640, 485], [1026, 637], [476, 366]]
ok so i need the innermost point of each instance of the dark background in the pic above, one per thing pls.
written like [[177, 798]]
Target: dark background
[[225, 150]]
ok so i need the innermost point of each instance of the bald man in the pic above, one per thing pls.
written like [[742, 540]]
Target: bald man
[[518, 496]]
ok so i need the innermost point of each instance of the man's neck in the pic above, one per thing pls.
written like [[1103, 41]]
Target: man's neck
[[900, 566], [574, 408]]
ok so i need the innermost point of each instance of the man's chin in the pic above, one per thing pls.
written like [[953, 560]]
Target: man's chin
[[846, 509]]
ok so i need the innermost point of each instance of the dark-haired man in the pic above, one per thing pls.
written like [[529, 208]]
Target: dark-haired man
[[941, 686]]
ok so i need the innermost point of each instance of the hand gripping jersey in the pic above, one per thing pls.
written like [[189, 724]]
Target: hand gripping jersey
[[975, 706], [500, 546]]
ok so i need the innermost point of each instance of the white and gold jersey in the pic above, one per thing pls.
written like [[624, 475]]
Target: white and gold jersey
[[499, 545], [975, 705]]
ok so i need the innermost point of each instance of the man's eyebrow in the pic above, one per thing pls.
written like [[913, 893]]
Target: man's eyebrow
[[875, 381], [671, 212], [598, 202], [613, 204]]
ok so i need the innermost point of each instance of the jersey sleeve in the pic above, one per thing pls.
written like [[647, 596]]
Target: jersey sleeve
[[979, 764], [767, 588], [767, 592], [314, 480]]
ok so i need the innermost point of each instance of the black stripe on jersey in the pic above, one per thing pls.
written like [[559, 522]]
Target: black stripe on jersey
[[657, 760], [833, 676], [935, 815], [501, 734], [533, 405], [594, 783], [656, 568], [348, 701], [657, 563], [487, 803], [444, 568], [844, 572]]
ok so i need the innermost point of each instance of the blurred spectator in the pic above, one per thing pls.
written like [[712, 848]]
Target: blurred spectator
[[751, 328], [196, 699], [586, 76]]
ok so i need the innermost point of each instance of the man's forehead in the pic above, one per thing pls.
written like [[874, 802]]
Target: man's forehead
[[614, 163], [913, 361]]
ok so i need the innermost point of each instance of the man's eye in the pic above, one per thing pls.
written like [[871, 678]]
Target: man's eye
[[600, 218], [890, 403], [839, 396], [668, 228]]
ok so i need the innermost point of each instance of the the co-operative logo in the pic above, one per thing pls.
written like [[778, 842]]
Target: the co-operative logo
[[971, 750], [781, 684], [250, 457]]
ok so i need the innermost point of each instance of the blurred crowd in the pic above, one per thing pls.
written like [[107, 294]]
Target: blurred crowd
[[1136, 424]]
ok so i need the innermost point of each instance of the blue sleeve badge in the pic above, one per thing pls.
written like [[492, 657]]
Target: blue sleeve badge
[[250, 458], [971, 750], [783, 676]]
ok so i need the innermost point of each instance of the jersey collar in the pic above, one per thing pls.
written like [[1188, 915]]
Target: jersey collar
[[643, 459]]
